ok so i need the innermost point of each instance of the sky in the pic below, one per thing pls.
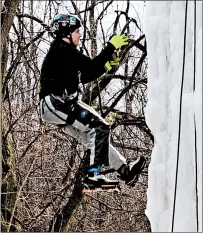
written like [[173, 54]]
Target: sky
[[169, 210]]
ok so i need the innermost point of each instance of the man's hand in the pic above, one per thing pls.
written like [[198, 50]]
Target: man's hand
[[116, 59], [107, 66], [114, 62], [119, 40]]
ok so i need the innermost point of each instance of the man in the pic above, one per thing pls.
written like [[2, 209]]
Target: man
[[64, 67]]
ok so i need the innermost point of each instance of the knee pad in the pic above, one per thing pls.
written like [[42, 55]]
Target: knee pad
[[83, 115]]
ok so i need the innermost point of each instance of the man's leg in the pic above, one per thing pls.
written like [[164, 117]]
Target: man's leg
[[92, 131], [127, 171], [95, 131], [116, 160], [90, 136]]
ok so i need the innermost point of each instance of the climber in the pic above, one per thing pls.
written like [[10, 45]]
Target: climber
[[63, 68]]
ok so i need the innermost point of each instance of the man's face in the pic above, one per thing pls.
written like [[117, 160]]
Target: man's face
[[76, 37]]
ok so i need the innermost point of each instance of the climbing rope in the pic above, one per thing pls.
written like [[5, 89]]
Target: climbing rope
[[180, 112], [194, 75]]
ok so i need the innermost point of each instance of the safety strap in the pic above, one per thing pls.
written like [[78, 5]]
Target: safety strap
[[53, 111]]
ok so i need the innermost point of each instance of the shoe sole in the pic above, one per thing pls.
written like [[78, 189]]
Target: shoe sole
[[109, 190], [104, 186]]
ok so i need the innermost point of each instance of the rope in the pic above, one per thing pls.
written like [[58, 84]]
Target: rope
[[195, 18], [180, 112], [196, 179], [194, 75]]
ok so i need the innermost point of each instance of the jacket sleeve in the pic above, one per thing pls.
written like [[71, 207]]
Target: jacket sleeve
[[93, 68]]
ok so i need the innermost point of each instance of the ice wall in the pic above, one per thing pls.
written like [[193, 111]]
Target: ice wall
[[164, 29]]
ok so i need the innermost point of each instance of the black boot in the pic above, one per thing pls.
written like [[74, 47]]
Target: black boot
[[129, 172]]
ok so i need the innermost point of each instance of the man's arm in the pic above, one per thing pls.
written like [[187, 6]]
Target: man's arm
[[93, 68]]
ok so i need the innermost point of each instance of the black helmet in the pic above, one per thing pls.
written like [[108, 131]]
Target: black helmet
[[64, 24]]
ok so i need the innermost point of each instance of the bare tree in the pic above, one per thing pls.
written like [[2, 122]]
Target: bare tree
[[43, 167]]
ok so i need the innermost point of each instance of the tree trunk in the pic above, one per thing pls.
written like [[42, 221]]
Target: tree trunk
[[7, 17], [9, 184], [63, 218]]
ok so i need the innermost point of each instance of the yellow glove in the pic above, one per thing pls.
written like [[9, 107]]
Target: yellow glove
[[116, 59], [107, 66], [114, 62], [119, 40]]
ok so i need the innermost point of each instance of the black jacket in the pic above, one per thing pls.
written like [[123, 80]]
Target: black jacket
[[62, 65]]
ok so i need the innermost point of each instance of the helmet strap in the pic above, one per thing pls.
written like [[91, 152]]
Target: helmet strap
[[70, 38]]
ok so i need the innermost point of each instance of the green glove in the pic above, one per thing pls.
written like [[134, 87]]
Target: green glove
[[107, 66], [116, 59], [115, 62], [119, 40]]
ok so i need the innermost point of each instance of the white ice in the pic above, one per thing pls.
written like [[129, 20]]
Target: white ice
[[164, 28]]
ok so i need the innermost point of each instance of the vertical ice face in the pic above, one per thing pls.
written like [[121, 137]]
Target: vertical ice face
[[165, 31]]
